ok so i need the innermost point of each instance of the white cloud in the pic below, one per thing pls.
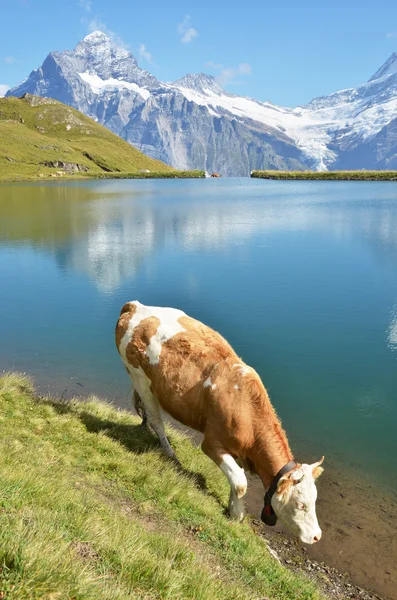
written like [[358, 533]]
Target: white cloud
[[229, 74], [144, 54], [392, 35], [97, 25], [186, 31], [10, 60], [3, 89], [85, 5], [213, 65], [190, 34]]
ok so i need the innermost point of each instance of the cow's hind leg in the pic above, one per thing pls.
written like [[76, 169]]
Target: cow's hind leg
[[153, 414], [150, 407], [234, 474]]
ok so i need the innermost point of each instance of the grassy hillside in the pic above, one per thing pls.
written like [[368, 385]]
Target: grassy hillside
[[328, 175], [90, 508], [35, 132]]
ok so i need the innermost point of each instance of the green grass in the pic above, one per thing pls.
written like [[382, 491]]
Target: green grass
[[34, 131], [91, 509], [328, 175]]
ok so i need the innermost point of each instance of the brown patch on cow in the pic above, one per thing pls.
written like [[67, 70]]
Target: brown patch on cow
[[121, 328], [137, 346], [241, 490], [129, 307], [202, 340], [126, 313]]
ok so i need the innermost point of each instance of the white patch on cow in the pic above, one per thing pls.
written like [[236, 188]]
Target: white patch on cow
[[235, 474], [208, 383], [242, 369], [141, 382], [236, 386], [296, 508], [168, 327], [238, 486]]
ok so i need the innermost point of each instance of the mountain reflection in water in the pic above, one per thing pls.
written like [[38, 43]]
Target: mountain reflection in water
[[107, 230]]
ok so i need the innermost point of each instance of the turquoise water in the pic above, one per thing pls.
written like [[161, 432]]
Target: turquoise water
[[300, 277]]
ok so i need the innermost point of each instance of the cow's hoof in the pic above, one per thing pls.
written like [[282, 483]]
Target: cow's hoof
[[237, 510]]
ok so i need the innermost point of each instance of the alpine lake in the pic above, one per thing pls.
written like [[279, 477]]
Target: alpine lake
[[299, 276]]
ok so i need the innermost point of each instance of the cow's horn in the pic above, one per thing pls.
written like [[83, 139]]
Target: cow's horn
[[317, 464]]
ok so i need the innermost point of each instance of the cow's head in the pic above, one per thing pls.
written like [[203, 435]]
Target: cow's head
[[294, 502]]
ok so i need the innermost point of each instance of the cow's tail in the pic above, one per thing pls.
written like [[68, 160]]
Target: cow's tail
[[139, 407]]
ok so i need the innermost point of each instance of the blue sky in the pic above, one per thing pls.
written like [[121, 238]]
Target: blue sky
[[286, 52]]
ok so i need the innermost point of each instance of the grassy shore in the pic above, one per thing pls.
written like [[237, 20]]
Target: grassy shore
[[174, 174], [90, 508], [328, 175], [171, 174], [41, 138]]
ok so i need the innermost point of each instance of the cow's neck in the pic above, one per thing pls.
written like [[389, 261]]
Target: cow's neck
[[271, 450]]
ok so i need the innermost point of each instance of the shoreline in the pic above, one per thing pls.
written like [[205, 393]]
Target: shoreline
[[194, 174], [359, 543], [326, 175], [357, 555], [199, 174], [358, 519]]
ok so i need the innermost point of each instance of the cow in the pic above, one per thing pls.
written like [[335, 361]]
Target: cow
[[184, 368]]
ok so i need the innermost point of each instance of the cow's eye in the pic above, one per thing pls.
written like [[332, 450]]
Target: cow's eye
[[301, 506]]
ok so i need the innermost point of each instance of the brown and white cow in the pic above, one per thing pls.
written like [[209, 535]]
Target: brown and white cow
[[188, 370]]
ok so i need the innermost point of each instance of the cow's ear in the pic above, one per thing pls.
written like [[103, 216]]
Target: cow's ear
[[316, 469], [284, 485], [317, 472]]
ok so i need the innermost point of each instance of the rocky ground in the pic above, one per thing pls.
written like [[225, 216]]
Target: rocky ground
[[291, 554]]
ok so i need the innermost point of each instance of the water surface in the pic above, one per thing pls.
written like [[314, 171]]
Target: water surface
[[300, 277]]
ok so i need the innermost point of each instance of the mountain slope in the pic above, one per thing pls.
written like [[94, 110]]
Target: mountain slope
[[194, 123], [39, 135]]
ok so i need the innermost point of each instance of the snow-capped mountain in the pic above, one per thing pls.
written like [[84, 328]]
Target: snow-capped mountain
[[194, 123]]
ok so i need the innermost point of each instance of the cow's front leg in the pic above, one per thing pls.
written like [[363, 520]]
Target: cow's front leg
[[238, 486], [235, 476]]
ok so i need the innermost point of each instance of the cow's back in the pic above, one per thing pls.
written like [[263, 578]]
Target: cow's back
[[180, 356]]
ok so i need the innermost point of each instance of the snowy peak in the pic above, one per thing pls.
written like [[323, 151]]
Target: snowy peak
[[200, 82], [96, 37], [102, 57], [388, 68]]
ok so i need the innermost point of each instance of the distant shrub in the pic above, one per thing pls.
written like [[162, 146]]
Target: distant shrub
[[328, 175]]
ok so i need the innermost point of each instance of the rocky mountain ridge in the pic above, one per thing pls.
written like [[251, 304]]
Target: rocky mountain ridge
[[194, 123]]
